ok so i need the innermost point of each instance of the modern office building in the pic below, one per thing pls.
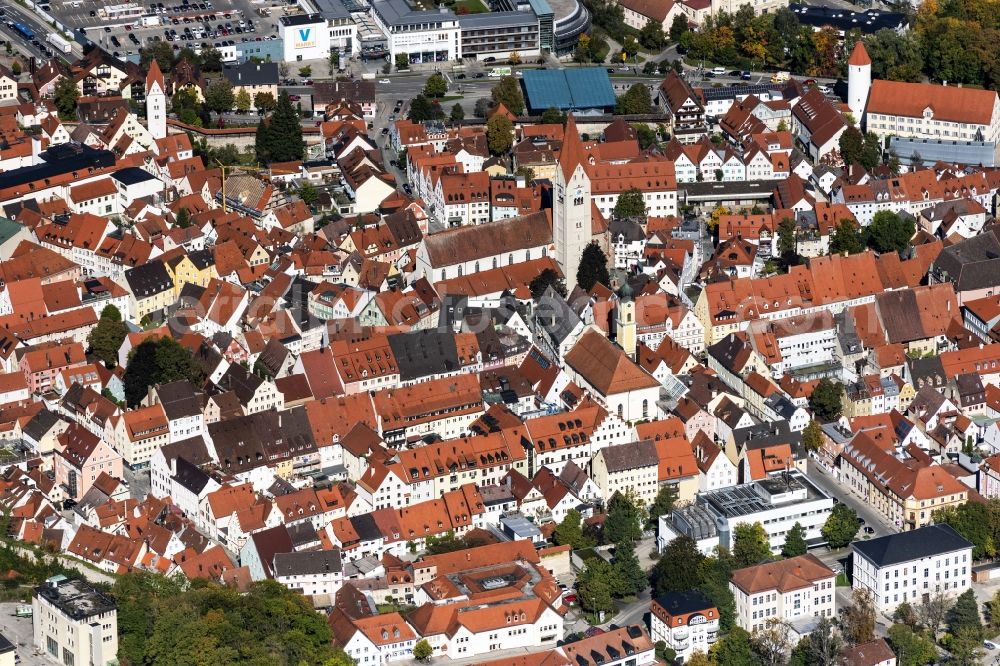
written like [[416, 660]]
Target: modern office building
[[777, 503], [73, 623], [305, 37], [423, 35], [498, 34]]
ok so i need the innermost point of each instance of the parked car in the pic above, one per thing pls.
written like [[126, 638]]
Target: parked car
[[384, 81]]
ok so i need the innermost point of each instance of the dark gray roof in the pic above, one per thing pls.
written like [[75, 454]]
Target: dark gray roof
[[148, 279], [252, 74], [682, 603], [973, 263], [555, 317], [424, 353], [179, 399], [190, 477], [912, 545], [633, 455], [763, 435], [192, 449], [202, 259], [628, 228], [307, 563], [132, 176], [40, 424], [366, 527]]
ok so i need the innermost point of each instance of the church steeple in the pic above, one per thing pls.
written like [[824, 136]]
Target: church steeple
[[572, 228], [156, 102], [572, 154]]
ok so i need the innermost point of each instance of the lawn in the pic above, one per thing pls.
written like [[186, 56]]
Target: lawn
[[842, 580], [474, 6]]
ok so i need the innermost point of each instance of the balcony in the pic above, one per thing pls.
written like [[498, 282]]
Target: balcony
[[681, 634]]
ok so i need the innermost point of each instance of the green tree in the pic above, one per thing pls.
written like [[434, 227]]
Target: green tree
[[107, 337], [15, 68], [645, 135], [841, 526], [630, 46], [993, 612], [402, 62], [786, 242], [911, 648], [973, 521], [593, 267], [481, 108], [423, 109], [678, 27], [569, 531], [679, 567], [547, 278], [457, 112], [553, 116], [159, 51], [308, 193], [279, 136], [851, 144], [795, 542], [594, 586], [161, 624], [264, 102], [750, 545], [847, 238], [219, 95], [715, 573], [66, 95], [422, 650], [734, 649], [629, 570], [825, 400], [508, 92], [626, 516], [499, 134], [636, 100], [871, 151], [306, 72], [889, 232], [630, 204], [211, 60], [242, 101], [157, 361], [651, 36], [663, 505], [183, 219], [964, 615], [436, 86], [966, 648]]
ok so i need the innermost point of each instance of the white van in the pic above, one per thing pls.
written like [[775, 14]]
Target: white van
[[718, 71]]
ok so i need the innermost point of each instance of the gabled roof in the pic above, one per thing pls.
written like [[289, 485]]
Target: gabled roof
[[606, 367]]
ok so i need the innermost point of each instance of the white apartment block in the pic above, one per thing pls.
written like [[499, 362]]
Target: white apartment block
[[913, 566], [796, 589], [686, 621]]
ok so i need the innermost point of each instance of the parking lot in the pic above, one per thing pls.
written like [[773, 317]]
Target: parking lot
[[18, 631], [183, 23]]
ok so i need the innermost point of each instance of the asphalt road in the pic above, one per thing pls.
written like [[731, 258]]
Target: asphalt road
[[16, 14]]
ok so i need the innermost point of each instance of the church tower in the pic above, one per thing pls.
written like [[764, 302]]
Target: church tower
[[156, 102], [859, 81], [571, 225], [625, 322]]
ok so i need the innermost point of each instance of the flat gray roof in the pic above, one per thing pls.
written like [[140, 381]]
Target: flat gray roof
[[400, 13], [497, 20], [332, 9]]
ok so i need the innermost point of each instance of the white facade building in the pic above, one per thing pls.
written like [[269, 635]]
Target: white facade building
[[791, 590], [913, 566], [777, 503], [73, 623], [686, 621]]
